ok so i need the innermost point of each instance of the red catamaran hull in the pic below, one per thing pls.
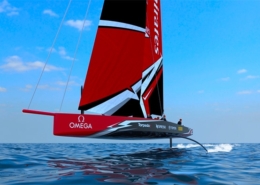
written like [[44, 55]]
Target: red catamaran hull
[[113, 127]]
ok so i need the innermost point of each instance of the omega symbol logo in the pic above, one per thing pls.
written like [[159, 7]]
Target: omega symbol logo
[[81, 118]]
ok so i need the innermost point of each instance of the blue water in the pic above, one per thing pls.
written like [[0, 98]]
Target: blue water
[[137, 164]]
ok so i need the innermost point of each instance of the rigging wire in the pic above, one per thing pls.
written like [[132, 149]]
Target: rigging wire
[[54, 41], [75, 54]]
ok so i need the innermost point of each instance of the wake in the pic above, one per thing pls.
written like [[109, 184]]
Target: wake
[[212, 148]]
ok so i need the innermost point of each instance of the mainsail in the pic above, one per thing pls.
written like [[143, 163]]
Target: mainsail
[[125, 71]]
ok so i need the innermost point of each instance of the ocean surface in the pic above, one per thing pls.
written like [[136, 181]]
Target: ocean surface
[[108, 164]]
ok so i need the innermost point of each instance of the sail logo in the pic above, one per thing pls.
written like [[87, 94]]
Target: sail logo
[[143, 125], [161, 126], [81, 123], [156, 27]]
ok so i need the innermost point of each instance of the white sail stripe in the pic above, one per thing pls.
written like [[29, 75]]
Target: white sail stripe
[[108, 107], [116, 107], [147, 81], [121, 25], [136, 87], [152, 66]]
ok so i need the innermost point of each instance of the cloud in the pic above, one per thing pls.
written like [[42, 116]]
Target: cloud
[[15, 63], [78, 24], [10, 10], [43, 86], [39, 48], [225, 79], [241, 71], [61, 83], [252, 77], [53, 50], [2, 89], [200, 92], [63, 54], [244, 92], [50, 13], [62, 51], [47, 87], [27, 88]]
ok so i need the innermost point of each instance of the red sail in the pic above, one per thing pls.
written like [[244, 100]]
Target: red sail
[[125, 72], [115, 71]]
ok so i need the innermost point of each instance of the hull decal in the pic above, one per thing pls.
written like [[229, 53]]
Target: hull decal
[[122, 125], [141, 129]]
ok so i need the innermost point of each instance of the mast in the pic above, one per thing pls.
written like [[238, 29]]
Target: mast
[[81, 92]]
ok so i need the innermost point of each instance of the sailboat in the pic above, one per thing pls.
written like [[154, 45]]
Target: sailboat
[[124, 82]]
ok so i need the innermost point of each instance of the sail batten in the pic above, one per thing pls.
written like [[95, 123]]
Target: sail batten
[[114, 24]]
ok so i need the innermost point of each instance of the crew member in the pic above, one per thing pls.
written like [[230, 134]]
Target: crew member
[[164, 118], [180, 122]]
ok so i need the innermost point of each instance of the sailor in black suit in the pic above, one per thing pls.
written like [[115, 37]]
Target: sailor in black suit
[[164, 118]]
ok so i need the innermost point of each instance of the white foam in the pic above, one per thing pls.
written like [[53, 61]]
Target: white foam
[[221, 148], [187, 146], [210, 147]]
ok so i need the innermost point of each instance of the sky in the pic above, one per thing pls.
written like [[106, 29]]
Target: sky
[[211, 55]]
